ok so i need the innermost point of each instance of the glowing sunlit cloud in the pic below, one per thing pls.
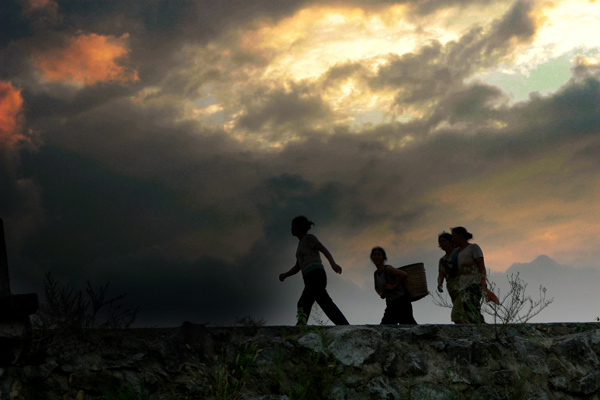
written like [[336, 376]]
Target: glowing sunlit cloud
[[588, 61], [11, 104], [87, 60], [562, 27], [307, 44], [215, 108], [314, 39]]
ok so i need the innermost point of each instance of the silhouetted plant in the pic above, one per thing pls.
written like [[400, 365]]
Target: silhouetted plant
[[515, 307], [63, 306], [115, 317], [66, 308]]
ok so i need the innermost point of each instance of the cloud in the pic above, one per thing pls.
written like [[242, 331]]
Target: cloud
[[370, 119], [280, 111], [11, 117], [21, 203], [437, 71], [43, 14], [87, 59], [336, 174]]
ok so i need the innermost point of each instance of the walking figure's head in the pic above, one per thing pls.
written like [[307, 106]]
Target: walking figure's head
[[378, 249], [445, 240], [444, 236], [302, 224], [459, 234]]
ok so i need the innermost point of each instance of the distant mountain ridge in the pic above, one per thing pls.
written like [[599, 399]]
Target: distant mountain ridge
[[574, 289], [543, 261]]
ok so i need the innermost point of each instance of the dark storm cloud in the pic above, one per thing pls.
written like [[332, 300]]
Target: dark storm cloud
[[128, 188], [518, 23], [281, 110], [102, 227], [495, 129], [282, 197], [132, 215], [57, 101], [20, 198], [129, 224], [421, 77], [343, 71], [126, 214], [424, 7], [472, 105], [138, 139], [543, 123], [170, 290]]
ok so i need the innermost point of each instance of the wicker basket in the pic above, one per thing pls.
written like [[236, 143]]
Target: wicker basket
[[416, 282]]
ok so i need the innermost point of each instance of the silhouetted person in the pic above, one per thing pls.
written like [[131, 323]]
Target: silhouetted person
[[472, 274], [308, 260], [448, 270], [389, 285]]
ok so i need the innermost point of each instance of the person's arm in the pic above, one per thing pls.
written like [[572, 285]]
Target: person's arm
[[481, 266], [293, 271], [441, 276], [399, 273], [377, 288], [329, 258], [440, 281]]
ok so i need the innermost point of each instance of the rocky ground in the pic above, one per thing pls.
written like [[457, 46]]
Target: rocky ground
[[535, 361]]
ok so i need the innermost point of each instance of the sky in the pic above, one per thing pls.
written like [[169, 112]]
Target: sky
[[165, 147]]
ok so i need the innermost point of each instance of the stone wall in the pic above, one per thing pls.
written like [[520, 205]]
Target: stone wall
[[541, 361]]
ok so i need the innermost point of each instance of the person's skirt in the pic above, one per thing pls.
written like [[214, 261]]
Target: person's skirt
[[398, 311]]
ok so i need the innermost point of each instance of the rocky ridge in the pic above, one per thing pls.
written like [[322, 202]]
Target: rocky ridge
[[541, 361]]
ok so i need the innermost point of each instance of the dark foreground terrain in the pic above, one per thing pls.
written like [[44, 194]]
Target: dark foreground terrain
[[540, 361]]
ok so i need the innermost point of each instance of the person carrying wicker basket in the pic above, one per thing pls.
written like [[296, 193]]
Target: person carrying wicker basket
[[389, 286]]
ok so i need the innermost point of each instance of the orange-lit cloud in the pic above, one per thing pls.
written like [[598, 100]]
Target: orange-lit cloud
[[11, 104], [87, 60]]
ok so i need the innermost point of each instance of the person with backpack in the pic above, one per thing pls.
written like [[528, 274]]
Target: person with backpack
[[389, 286], [308, 260]]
